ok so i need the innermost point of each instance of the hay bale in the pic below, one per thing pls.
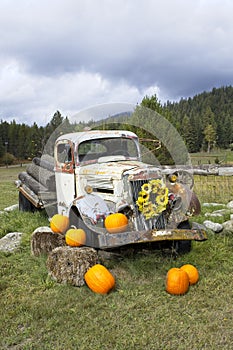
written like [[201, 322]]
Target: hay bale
[[44, 240], [68, 265]]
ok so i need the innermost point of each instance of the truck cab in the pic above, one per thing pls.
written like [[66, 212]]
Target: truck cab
[[93, 161]]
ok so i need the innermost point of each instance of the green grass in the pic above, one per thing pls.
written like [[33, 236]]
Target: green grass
[[39, 314], [206, 214], [22, 222], [223, 156], [9, 194]]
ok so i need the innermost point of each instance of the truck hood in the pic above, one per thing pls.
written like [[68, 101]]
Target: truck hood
[[107, 177], [115, 170]]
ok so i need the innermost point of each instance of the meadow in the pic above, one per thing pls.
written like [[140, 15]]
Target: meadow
[[39, 314], [218, 156]]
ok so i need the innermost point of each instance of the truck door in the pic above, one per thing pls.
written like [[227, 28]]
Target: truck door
[[64, 175]]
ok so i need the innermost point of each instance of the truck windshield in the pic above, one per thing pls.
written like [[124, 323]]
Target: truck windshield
[[94, 149]]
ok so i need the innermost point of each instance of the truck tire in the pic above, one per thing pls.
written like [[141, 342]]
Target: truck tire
[[182, 247], [25, 204]]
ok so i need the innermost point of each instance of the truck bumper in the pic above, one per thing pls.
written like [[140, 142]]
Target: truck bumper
[[107, 240]]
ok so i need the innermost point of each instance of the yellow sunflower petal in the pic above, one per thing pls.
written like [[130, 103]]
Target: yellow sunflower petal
[[140, 201], [156, 185], [144, 194], [163, 191], [140, 207], [160, 208], [162, 200], [146, 187]]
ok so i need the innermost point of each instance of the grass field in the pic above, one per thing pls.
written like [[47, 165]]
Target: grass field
[[215, 156], [214, 188], [39, 314], [9, 194]]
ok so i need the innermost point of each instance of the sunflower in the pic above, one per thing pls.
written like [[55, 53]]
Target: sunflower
[[140, 207], [149, 210], [146, 187], [145, 195], [162, 200], [155, 185], [153, 198], [163, 192], [140, 201]]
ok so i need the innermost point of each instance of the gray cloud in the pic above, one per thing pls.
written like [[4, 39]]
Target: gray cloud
[[70, 54]]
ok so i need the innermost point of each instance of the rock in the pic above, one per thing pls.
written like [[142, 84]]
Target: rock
[[227, 171], [12, 207], [228, 226], [44, 240], [218, 213], [214, 214], [213, 204], [68, 265], [216, 227], [10, 242], [230, 205], [221, 211]]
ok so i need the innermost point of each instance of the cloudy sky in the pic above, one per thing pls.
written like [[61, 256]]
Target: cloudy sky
[[68, 55]]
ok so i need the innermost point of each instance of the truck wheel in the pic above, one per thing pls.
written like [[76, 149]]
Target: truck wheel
[[182, 247], [25, 204]]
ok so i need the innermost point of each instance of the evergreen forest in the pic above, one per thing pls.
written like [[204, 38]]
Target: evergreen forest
[[205, 122]]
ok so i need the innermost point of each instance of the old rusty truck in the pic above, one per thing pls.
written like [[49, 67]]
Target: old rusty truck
[[98, 172]]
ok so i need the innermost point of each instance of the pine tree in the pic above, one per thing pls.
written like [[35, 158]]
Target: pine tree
[[210, 136], [208, 118], [189, 135]]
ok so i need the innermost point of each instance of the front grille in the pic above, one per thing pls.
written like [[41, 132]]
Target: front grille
[[157, 222], [136, 188]]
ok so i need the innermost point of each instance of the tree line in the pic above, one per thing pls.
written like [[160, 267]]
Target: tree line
[[20, 142], [204, 122]]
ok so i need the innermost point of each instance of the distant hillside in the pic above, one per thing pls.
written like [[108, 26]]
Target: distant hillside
[[192, 116], [205, 121]]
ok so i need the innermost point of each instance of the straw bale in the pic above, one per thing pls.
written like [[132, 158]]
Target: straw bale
[[68, 265], [44, 240]]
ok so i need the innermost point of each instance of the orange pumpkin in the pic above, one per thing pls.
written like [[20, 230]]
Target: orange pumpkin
[[59, 223], [99, 279], [177, 281], [116, 222], [192, 273], [75, 237]]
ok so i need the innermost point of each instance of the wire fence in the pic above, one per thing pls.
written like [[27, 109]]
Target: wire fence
[[211, 188]]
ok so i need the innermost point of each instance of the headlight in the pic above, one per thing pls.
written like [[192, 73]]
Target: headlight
[[172, 178], [88, 189]]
